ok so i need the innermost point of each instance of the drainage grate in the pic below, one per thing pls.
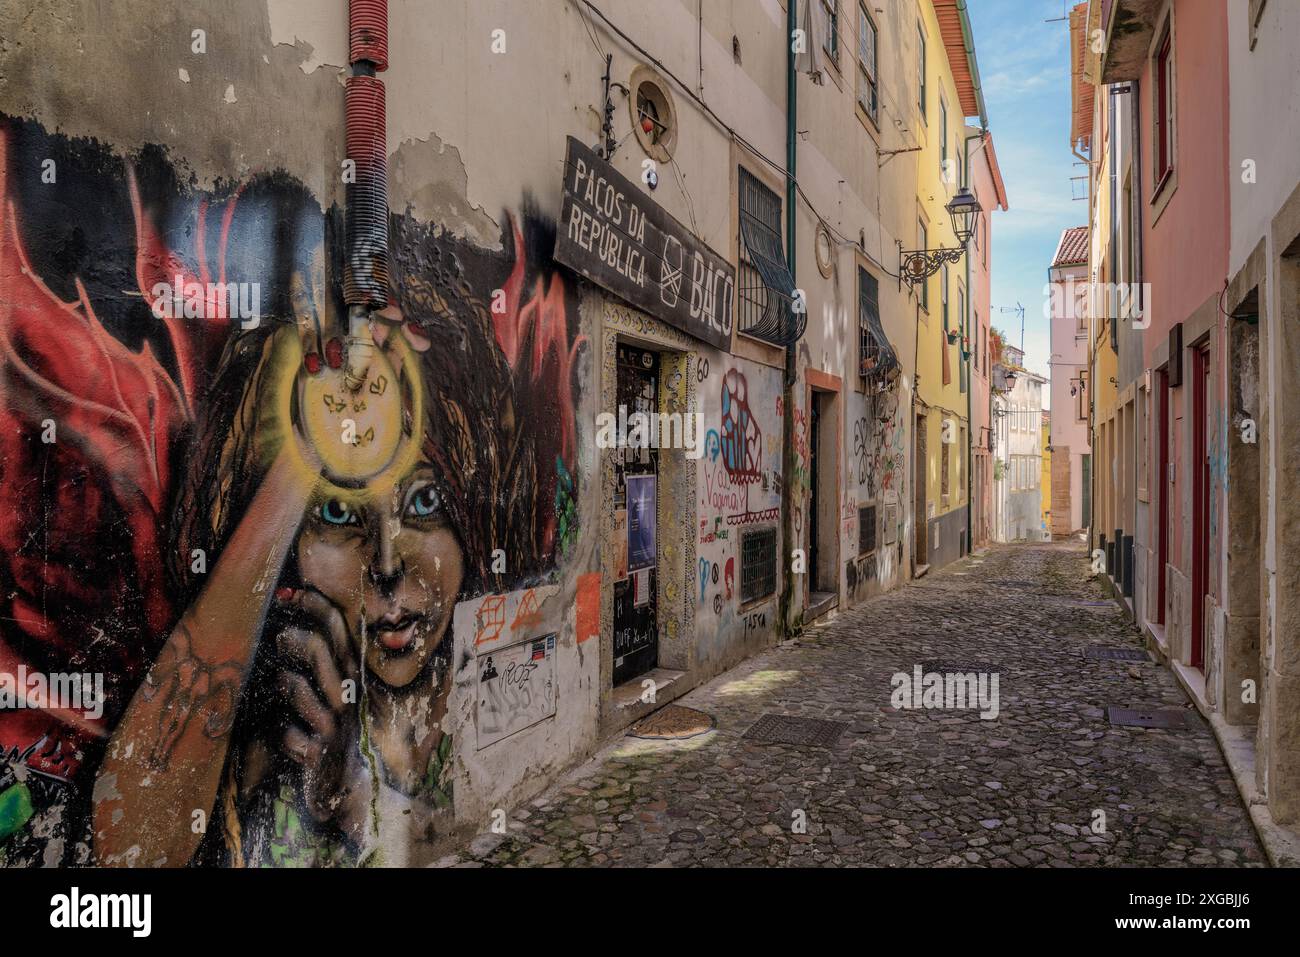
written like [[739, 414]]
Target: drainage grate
[[1115, 654], [789, 729], [961, 667], [1012, 582], [1142, 718]]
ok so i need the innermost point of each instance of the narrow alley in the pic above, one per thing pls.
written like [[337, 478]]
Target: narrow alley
[[921, 787]]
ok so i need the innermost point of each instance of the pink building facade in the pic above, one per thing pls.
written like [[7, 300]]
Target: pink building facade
[[985, 181]]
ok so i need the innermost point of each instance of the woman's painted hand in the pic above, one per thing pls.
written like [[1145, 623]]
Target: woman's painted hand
[[319, 681]]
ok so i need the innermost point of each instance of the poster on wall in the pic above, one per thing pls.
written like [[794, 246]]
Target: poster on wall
[[640, 522]]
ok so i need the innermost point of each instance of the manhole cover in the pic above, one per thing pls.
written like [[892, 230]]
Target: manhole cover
[[672, 723], [686, 836], [1146, 718], [961, 667], [1115, 654], [788, 729]]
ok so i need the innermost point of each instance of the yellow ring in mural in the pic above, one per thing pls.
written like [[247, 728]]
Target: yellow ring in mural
[[369, 438]]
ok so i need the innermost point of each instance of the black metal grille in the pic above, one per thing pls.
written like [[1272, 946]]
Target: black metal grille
[[1102, 653], [796, 730], [866, 529], [757, 564], [875, 355], [1147, 718], [765, 297]]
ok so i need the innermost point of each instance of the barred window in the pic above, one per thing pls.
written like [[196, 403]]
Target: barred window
[[876, 357], [866, 529], [766, 291], [757, 564]]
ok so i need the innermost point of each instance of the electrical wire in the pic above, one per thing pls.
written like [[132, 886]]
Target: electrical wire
[[733, 133], [591, 32]]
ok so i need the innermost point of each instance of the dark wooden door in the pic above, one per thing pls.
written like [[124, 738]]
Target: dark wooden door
[[918, 482], [814, 477], [636, 495]]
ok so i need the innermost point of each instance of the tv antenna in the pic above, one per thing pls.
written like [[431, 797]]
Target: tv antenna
[[1018, 310]]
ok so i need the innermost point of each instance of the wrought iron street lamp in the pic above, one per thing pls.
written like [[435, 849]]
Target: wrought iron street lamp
[[918, 265], [965, 212]]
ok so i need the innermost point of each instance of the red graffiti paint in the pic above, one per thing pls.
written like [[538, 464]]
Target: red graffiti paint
[[87, 433], [532, 331], [334, 353]]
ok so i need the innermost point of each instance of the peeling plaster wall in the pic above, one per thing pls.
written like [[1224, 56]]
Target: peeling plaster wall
[[116, 73]]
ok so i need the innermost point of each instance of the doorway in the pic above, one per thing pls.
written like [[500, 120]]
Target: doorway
[[918, 483], [1165, 489], [1086, 488], [1200, 503], [814, 492], [636, 525]]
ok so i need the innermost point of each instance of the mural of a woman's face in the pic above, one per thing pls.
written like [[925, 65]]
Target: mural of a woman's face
[[393, 566]]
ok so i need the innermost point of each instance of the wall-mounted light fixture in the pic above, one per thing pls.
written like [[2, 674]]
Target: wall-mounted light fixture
[[918, 265]]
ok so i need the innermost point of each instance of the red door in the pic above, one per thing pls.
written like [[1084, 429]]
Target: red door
[[1166, 489], [1200, 505]]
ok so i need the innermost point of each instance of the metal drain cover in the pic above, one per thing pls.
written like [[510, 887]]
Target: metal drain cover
[[1146, 718], [1115, 654], [789, 729]]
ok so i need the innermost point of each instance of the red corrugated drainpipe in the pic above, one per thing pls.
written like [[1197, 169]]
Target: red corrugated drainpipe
[[365, 278]]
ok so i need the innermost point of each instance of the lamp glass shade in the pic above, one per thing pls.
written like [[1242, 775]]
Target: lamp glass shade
[[965, 212]]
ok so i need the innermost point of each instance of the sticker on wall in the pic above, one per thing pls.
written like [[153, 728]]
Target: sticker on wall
[[516, 689], [641, 588], [640, 522], [620, 544]]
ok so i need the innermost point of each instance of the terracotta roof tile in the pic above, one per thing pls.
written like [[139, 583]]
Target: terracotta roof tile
[[1073, 248]]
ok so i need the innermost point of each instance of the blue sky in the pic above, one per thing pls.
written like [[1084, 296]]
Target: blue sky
[[1025, 70]]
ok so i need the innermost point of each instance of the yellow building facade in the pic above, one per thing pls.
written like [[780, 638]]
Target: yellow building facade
[[941, 418]]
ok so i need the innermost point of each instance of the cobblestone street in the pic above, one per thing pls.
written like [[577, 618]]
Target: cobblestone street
[[914, 787]]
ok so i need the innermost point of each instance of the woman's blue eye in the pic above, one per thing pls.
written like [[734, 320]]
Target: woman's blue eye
[[424, 502], [336, 512]]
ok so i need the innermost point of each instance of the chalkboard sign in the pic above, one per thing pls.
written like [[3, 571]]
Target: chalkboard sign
[[612, 233]]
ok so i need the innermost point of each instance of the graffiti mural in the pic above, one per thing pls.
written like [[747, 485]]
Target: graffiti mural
[[739, 486], [881, 451], [254, 515], [742, 440]]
